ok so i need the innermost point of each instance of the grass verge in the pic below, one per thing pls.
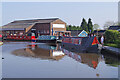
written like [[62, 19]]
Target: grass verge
[[112, 45]]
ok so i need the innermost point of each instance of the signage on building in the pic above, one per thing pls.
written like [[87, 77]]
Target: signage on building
[[58, 25]]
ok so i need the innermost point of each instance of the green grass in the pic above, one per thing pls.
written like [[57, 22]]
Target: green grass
[[112, 45]]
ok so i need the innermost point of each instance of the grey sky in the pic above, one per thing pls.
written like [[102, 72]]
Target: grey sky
[[70, 12]]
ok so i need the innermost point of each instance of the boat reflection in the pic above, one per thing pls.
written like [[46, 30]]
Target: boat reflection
[[45, 51], [55, 52], [42, 51], [91, 59]]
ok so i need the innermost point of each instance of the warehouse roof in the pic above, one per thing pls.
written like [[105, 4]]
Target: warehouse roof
[[114, 27], [99, 31], [26, 23], [75, 32]]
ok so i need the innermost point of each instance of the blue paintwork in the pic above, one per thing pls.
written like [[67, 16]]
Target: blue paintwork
[[83, 34], [46, 37], [44, 46]]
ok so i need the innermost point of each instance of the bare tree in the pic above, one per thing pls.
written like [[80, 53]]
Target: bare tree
[[108, 24], [96, 26]]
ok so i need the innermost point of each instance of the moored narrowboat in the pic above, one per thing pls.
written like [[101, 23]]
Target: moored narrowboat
[[17, 38], [40, 39], [82, 44], [46, 39], [1, 43]]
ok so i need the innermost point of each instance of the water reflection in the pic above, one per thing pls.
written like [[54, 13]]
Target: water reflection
[[62, 62], [45, 51], [0, 62], [42, 51], [111, 60], [50, 52], [90, 59]]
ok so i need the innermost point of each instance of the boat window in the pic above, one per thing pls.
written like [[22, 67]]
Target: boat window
[[7, 31], [79, 41], [72, 40]]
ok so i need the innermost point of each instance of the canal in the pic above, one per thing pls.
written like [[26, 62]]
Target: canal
[[39, 60]]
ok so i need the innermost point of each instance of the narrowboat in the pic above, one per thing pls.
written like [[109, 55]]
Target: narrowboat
[[1, 43], [46, 39], [81, 44], [17, 38], [40, 39]]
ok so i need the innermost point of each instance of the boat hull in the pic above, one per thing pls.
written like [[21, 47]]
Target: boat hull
[[15, 40], [46, 41], [39, 41], [80, 49], [87, 45]]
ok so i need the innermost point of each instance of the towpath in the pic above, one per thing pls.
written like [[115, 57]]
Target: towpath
[[112, 49]]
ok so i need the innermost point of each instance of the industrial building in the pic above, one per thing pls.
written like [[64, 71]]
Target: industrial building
[[52, 26]]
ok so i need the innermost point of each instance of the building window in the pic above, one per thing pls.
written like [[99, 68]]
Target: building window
[[41, 31], [21, 33], [44, 31], [7, 31], [16, 32], [48, 31], [38, 31]]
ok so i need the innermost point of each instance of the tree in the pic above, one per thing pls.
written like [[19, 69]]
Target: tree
[[74, 27], [118, 23], [112, 36], [84, 25], [80, 28], [67, 27], [96, 26], [70, 27], [108, 24], [90, 26]]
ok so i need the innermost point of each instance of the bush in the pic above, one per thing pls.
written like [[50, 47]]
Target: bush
[[112, 36], [118, 40]]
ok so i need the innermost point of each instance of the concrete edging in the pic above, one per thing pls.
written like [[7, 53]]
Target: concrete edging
[[112, 49]]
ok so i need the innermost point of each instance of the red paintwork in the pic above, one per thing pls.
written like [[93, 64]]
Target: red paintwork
[[72, 40], [19, 37], [33, 38], [75, 40], [95, 41], [0, 35], [94, 64], [67, 40]]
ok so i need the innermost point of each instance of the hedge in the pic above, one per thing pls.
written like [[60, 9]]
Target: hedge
[[112, 36]]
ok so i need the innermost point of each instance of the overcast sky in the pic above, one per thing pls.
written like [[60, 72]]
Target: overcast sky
[[70, 12]]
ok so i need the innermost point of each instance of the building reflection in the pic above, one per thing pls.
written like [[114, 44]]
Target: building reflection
[[42, 51]]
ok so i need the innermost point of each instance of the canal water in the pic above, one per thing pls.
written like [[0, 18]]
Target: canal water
[[39, 60]]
